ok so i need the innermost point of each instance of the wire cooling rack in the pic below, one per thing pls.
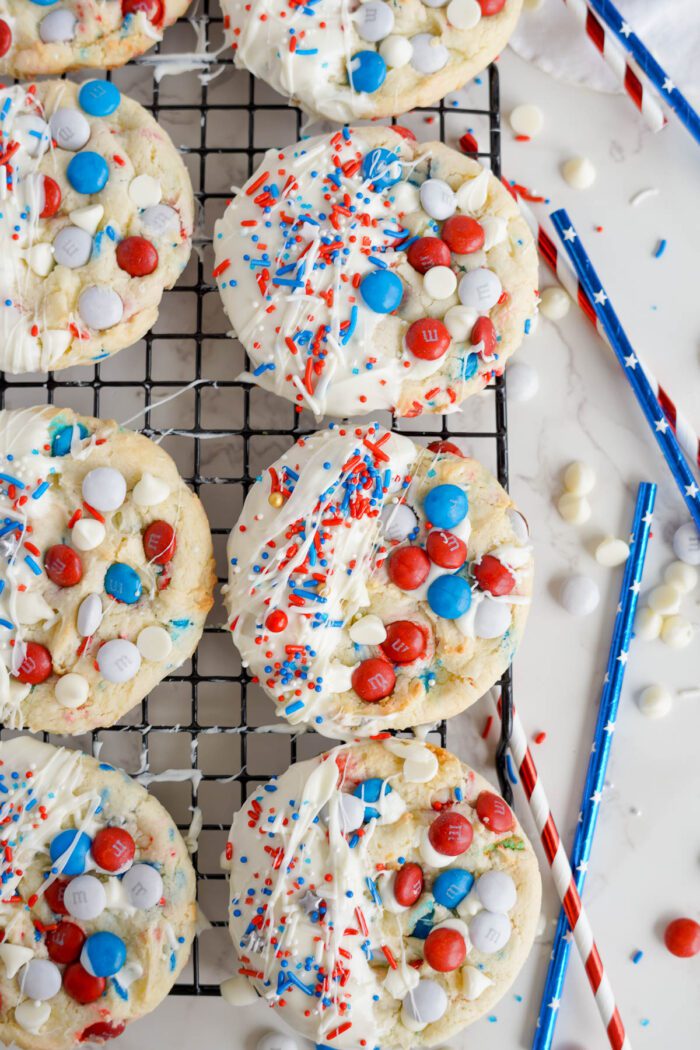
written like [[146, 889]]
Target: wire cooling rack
[[206, 736]]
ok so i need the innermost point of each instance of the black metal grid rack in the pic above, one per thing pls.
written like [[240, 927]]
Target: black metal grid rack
[[191, 722]]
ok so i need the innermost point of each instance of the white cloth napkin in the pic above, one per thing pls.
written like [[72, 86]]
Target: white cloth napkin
[[552, 39]]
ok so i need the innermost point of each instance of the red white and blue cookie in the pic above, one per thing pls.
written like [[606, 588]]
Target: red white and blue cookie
[[364, 271], [373, 59], [383, 896], [43, 37], [96, 222], [98, 898], [106, 570], [374, 584]]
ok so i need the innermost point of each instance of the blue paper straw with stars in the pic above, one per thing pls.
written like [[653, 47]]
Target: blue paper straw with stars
[[629, 363], [600, 755], [655, 74]]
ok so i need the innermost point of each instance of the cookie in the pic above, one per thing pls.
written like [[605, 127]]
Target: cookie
[[40, 39], [96, 223], [98, 905], [374, 584], [373, 59], [365, 271], [382, 894], [106, 570]]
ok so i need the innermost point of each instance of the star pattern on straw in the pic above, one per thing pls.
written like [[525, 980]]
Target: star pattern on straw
[[648, 518], [692, 490], [582, 867], [597, 798], [669, 85], [636, 587], [570, 234], [610, 726], [631, 361], [554, 1004], [625, 29], [661, 425], [622, 658], [600, 297]]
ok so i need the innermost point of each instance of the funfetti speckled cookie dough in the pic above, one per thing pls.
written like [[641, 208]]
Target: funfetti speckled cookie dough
[[96, 223], [98, 901], [374, 584], [373, 59], [106, 570], [382, 895], [365, 271], [42, 37]]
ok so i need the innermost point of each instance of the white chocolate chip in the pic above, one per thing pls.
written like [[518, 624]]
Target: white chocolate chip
[[14, 957], [32, 1015], [370, 630], [580, 595], [238, 991], [72, 690], [150, 491], [579, 478], [459, 321], [87, 533], [522, 382], [396, 51], [463, 14], [611, 552], [655, 701], [681, 576], [87, 219], [440, 282], [579, 172], [154, 643], [665, 599], [40, 259], [647, 624], [527, 120], [574, 509], [677, 632], [145, 191], [554, 303]]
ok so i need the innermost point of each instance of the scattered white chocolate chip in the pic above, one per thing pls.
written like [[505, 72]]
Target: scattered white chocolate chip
[[88, 218], [150, 491], [664, 599], [154, 643], [473, 982], [440, 282], [527, 120], [574, 509], [579, 478], [554, 303], [14, 956], [396, 51], [579, 172], [145, 191], [459, 321], [32, 607], [369, 630], [463, 14], [87, 533], [238, 991], [580, 595], [72, 690], [655, 701], [677, 632], [611, 552], [681, 576], [522, 382], [32, 1015], [420, 764], [647, 624], [40, 259]]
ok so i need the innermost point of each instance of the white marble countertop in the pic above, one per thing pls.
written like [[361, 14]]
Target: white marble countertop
[[645, 864]]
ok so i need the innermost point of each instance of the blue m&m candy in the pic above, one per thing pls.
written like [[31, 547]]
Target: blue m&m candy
[[451, 887], [123, 583], [88, 172], [372, 790], [449, 596], [61, 441], [382, 291], [381, 167], [99, 98], [103, 954], [44, 3], [78, 843], [445, 506], [367, 71]]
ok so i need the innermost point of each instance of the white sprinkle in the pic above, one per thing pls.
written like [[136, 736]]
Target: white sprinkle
[[644, 195]]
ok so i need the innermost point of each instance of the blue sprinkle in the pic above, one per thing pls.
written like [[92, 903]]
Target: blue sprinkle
[[660, 248]]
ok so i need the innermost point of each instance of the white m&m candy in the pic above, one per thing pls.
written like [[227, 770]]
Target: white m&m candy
[[40, 979], [489, 931], [69, 128], [104, 488], [57, 27], [463, 14], [72, 247], [425, 1004], [85, 897], [160, 219], [374, 20], [438, 199], [496, 891], [580, 595], [89, 615], [143, 886], [399, 521], [276, 1041], [480, 289], [118, 660], [686, 544], [100, 307], [429, 55], [492, 618]]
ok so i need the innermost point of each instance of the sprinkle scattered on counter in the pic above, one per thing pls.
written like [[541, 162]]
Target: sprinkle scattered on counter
[[660, 248]]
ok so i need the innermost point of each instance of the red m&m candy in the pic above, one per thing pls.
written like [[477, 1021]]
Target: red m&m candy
[[277, 621], [63, 565], [445, 446], [450, 834], [682, 938], [408, 884], [494, 812], [5, 37], [153, 9], [427, 252], [159, 542], [404, 642], [405, 133], [36, 666], [65, 942], [493, 576], [468, 143], [484, 332], [445, 949], [81, 985], [491, 7], [428, 339], [463, 234], [373, 679], [408, 567], [53, 895], [445, 549], [113, 849], [101, 1031], [52, 198], [137, 256]]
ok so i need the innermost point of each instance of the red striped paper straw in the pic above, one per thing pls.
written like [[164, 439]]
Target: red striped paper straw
[[560, 266], [566, 886], [625, 69]]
